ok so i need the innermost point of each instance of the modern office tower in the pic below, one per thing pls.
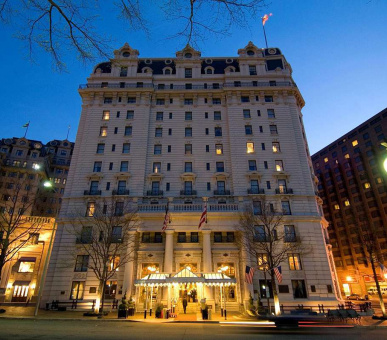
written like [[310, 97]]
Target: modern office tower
[[187, 133], [352, 184], [32, 181]]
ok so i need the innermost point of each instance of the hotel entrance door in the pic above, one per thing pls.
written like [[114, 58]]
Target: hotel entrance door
[[20, 293]]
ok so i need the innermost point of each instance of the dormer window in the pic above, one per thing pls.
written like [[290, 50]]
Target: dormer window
[[209, 70], [188, 55], [126, 54], [167, 71], [250, 52]]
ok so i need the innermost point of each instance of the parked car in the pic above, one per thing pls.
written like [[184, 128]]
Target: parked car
[[353, 297]]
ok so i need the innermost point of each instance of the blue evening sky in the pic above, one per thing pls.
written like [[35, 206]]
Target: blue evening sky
[[337, 49]]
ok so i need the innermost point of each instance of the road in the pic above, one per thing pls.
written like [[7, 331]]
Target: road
[[94, 329]]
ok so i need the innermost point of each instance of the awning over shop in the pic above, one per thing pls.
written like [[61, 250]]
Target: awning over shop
[[185, 276]]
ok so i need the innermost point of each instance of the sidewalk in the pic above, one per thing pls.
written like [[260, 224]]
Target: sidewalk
[[234, 317]]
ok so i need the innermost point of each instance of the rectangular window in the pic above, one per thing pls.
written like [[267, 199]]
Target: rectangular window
[[216, 101], [270, 113], [219, 149], [248, 130], [108, 100], [103, 131], [90, 209], [276, 147], [168, 166], [263, 146], [86, 235], [246, 114], [97, 167], [26, 265], [126, 148], [170, 115], [128, 130], [257, 208], [124, 166], [157, 149], [158, 237], [129, 114], [207, 148], [81, 263], [252, 165], [218, 131], [145, 238], [207, 166], [217, 115], [268, 99], [188, 132], [158, 132], [217, 237], [100, 148], [181, 237], [131, 100], [123, 72], [260, 233], [77, 290], [252, 70], [208, 186], [279, 165], [115, 130], [188, 101], [294, 262], [286, 208], [188, 167], [299, 289], [230, 236], [194, 237], [106, 115], [219, 166], [290, 233], [249, 147], [110, 166], [188, 116], [188, 72], [117, 231], [245, 99], [156, 167], [221, 187], [159, 115], [160, 101], [188, 187], [168, 187], [113, 147], [188, 149], [273, 129]]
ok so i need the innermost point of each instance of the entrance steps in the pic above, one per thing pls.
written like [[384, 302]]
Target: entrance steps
[[192, 307], [230, 307]]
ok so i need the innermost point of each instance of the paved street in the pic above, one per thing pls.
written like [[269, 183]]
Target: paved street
[[94, 329]]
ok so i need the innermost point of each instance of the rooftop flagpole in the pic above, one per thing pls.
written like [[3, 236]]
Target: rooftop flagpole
[[264, 19], [68, 131], [26, 126]]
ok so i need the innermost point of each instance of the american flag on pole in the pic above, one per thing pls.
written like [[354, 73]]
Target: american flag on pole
[[383, 271], [266, 18], [249, 273], [166, 218], [278, 273], [203, 218]]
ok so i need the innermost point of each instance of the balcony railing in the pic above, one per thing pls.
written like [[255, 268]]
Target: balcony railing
[[284, 191], [258, 84], [92, 192], [114, 86], [154, 193], [222, 192], [290, 238], [255, 191], [188, 207], [188, 192], [120, 192]]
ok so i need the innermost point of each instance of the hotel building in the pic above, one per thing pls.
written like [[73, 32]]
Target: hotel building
[[184, 131]]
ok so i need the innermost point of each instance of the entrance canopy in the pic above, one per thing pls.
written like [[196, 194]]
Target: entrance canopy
[[185, 276]]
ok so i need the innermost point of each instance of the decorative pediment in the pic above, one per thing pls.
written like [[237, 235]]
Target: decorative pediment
[[188, 52], [250, 50], [126, 52]]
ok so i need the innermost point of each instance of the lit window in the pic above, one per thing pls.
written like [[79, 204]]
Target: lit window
[[346, 156], [326, 159], [354, 143], [279, 166], [106, 115], [219, 149], [337, 207], [379, 180], [103, 132], [367, 185], [250, 147], [26, 266], [294, 262], [276, 147], [347, 204]]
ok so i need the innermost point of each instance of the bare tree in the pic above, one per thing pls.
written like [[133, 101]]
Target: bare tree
[[106, 235], [263, 237], [63, 26], [368, 237], [17, 228]]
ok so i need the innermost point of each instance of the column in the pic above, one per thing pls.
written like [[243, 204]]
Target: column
[[168, 260], [207, 265], [127, 285]]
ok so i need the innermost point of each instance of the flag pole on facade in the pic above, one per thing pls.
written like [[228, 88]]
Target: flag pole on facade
[[167, 218], [383, 271], [278, 273], [264, 19], [249, 273], [203, 218], [26, 126]]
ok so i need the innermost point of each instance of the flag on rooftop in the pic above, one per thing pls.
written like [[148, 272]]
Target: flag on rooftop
[[266, 18]]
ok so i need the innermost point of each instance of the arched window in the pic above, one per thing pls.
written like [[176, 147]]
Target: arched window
[[167, 70], [146, 70], [230, 69]]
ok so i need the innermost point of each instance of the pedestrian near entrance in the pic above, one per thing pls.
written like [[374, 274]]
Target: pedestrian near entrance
[[185, 302]]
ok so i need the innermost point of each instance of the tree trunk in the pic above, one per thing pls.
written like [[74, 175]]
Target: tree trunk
[[378, 287], [277, 309], [2, 260], [102, 296]]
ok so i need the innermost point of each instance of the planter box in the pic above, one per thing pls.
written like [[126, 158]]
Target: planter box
[[122, 313], [131, 312]]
